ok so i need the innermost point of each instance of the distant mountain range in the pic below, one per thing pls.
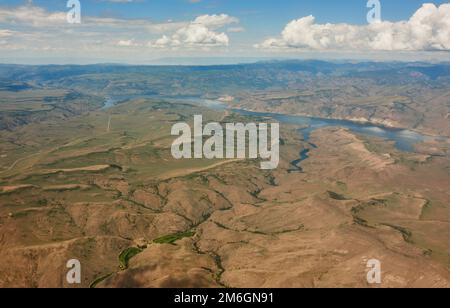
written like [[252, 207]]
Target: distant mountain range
[[278, 73]]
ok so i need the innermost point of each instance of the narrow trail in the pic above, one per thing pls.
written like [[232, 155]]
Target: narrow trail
[[19, 160]]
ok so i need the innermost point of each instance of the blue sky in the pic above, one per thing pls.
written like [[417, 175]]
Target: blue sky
[[268, 13], [266, 16], [231, 28]]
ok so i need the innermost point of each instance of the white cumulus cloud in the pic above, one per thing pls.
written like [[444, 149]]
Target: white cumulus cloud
[[428, 29], [127, 43], [6, 33], [215, 21], [203, 32], [31, 15]]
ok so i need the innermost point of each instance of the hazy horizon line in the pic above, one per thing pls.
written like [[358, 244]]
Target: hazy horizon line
[[197, 61]]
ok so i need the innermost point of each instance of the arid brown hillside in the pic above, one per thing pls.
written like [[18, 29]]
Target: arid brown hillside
[[104, 189]]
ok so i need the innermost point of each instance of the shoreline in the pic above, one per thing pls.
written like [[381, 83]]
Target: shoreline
[[349, 120], [229, 107]]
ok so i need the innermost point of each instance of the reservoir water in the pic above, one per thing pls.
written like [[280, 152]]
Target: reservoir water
[[404, 139]]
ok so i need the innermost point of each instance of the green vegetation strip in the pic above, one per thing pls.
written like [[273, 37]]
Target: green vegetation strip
[[98, 280], [171, 239], [126, 256], [407, 235]]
